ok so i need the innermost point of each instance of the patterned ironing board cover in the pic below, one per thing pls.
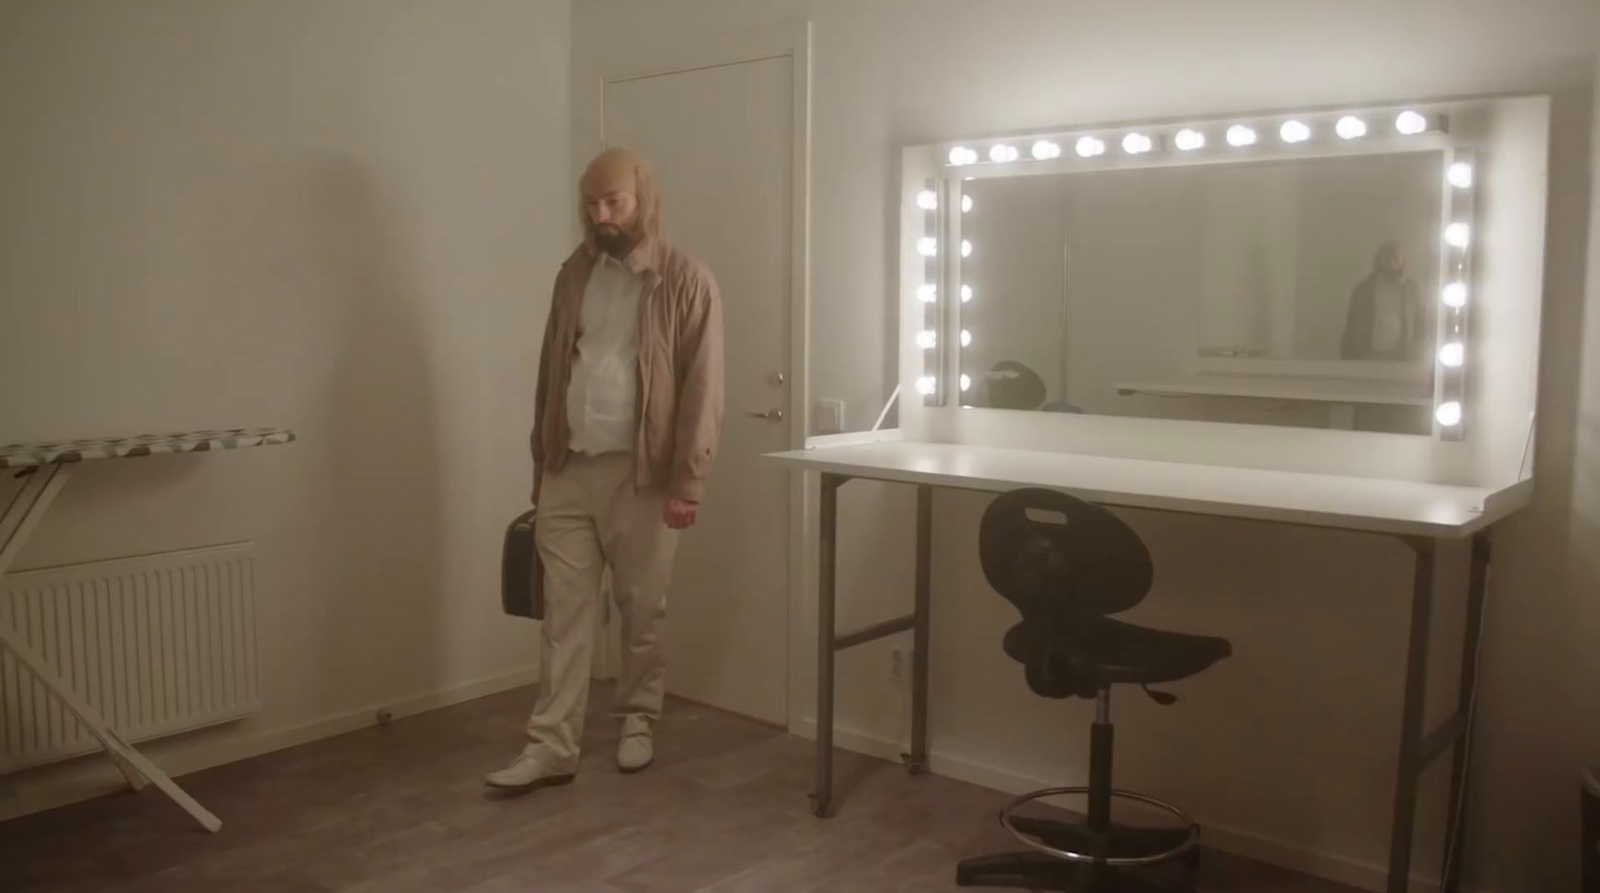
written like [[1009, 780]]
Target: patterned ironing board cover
[[28, 455]]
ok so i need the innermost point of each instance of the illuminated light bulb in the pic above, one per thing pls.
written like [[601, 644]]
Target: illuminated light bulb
[[927, 293], [1455, 295], [1189, 140], [966, 203], [966, 248], [927, 246], [1002, 153], [1089, 147], [1240, 136], [1350, 128], [1460, 175], [1294, 132], [961, 155], [966, 293], [1137, 144], [1448, 414], [966, 338], [1458, 235], [927, 339], [927, 385], [1410, 124], [928, 200], [1044, 150], [1452, 354], [966, 382]]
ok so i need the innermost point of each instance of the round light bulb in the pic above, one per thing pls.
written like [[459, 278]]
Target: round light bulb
[[1458, 235], [966, 338], [1137, 144], [928, 200], [966, 293], [1452, 354], [1089, 147], [966, 248], [1460, 175], [927, 246], [1044, 150], [1350, 128], [1002, 153], [1294, 131], [1448, 414], [961, 155], [1410, 123], [1240, 136], [966, 381], [927, 385], [1189, 140], [966, 203], [927, 339], [1455, 295], [927, 293]]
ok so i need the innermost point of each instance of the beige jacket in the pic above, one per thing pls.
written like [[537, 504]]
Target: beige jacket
[[680, 369]]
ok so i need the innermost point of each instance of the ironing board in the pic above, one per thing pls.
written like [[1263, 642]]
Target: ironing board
[[46, 467]]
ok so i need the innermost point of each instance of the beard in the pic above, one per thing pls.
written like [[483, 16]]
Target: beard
[[613, 239]]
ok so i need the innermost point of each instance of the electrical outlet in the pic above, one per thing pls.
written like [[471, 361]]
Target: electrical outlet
[[898, 669], [828, 416]]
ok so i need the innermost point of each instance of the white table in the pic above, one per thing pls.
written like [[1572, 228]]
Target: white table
[[1419, 514], [47, 467]]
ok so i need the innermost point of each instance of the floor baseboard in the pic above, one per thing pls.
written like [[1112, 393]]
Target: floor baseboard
[[1340, 869], [93, 775]]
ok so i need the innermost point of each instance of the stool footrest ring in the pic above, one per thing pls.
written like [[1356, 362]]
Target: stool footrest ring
[[1190, 831]]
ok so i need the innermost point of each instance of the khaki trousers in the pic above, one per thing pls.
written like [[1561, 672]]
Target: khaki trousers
[[590, 517]]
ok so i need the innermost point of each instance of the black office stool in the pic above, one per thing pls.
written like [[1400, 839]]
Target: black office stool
[[1065, 564]]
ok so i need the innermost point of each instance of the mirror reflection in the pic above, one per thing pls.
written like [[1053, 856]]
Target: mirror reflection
[[1285, 292]]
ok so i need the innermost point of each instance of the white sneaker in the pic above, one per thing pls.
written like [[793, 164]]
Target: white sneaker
[[637, 748], [526, 773]]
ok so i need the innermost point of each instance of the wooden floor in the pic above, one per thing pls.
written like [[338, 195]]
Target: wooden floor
[[402, 808]]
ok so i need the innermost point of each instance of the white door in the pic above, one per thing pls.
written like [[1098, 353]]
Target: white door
[[721, 141]]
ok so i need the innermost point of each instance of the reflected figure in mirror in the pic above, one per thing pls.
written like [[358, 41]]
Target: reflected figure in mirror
[[1385, 320]]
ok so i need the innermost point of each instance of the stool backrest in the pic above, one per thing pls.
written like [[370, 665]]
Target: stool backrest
[[1047, 552]]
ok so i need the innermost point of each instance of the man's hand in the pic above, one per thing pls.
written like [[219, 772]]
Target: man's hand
[[680, 513]]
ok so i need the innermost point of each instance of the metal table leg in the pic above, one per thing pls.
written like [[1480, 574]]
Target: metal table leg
[[1466, 707], [917, 760], [20, 518], [1411, 761], [829, 642], [822, 798], [1418, 750]]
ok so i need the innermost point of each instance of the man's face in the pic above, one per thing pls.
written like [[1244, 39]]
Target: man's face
[[613, 209], [1390, 260]]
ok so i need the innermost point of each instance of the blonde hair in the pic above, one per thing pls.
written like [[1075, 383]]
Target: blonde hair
[[646, 224]]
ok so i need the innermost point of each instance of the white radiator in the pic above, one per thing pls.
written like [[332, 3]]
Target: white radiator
[[158, 644]]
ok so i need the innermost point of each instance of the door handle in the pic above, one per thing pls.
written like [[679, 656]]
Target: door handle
[[771, 415]]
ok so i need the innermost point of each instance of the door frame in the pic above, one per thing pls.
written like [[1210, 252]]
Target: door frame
[[792, 41]]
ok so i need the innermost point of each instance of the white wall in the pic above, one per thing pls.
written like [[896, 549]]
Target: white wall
[[337, 217], [1291, 753]]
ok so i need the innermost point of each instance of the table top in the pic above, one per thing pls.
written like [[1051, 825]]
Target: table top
[[28, 455], [1403, 508]]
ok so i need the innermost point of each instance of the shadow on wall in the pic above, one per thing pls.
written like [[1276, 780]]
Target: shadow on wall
[[379, 542]]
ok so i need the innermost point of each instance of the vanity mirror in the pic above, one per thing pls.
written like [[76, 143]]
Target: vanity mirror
[[1310, 271]]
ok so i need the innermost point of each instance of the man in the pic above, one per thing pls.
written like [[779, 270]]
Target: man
[[1386, 317], [627, 416]]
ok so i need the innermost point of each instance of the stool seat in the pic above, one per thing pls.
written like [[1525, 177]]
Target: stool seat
[[1098, 651]]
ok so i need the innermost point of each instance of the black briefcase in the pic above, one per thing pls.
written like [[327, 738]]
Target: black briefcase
[[521, 571]]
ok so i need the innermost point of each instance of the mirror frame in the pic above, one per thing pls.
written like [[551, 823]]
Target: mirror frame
[[1244, 139]]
